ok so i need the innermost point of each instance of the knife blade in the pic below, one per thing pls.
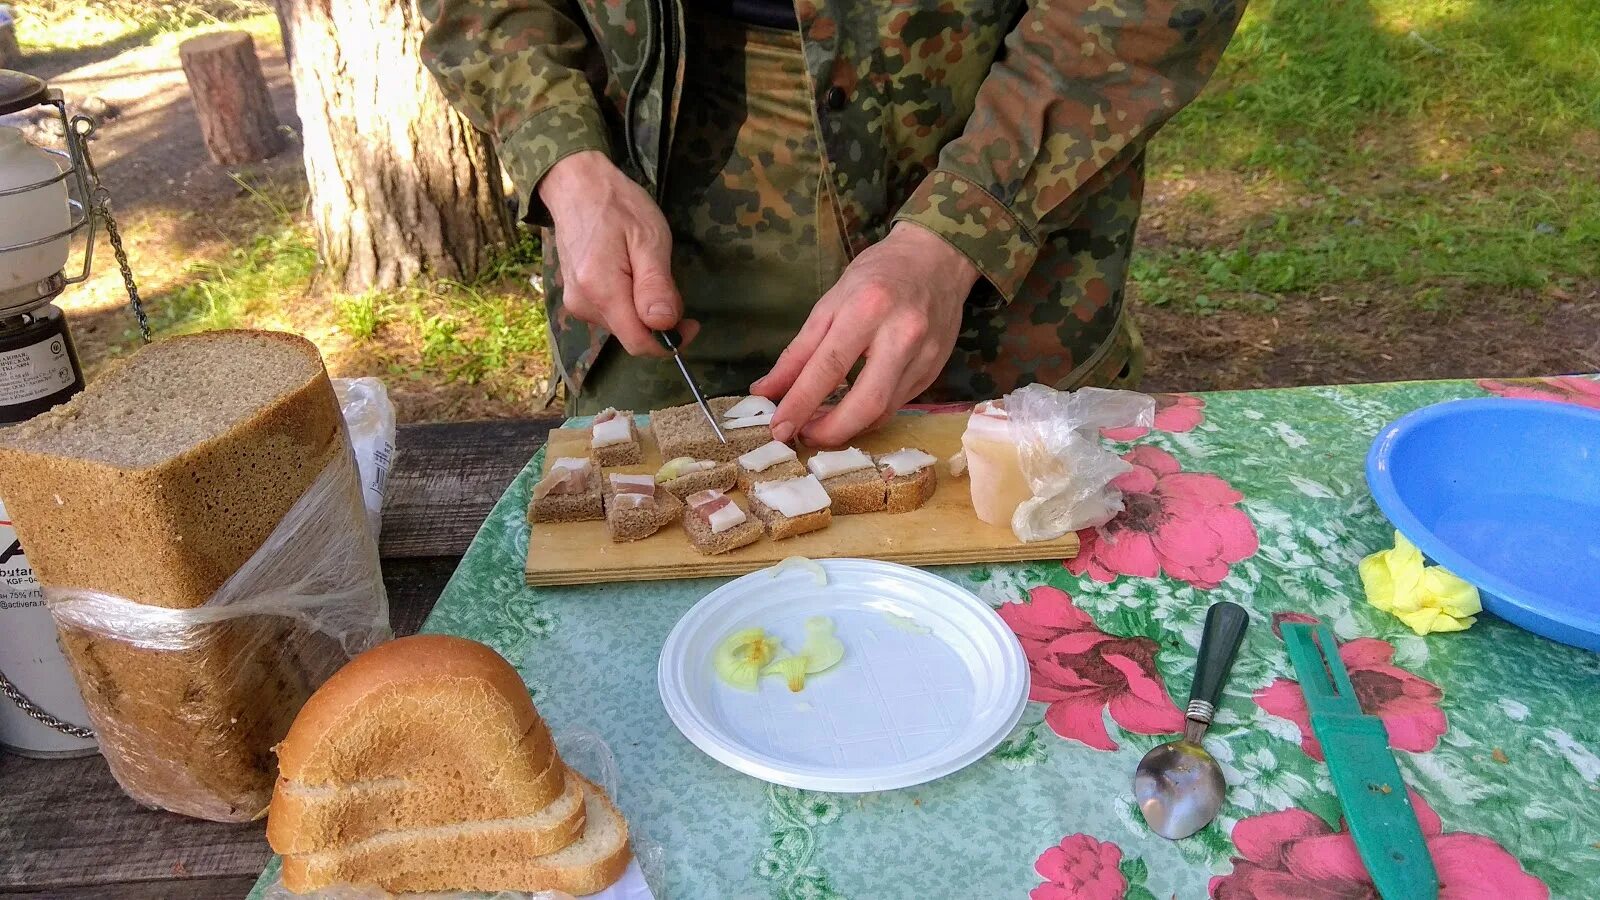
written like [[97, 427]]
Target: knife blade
[[1365, 776], [668, 340]]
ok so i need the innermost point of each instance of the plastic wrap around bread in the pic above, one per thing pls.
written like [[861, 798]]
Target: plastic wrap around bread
[[196, 520]]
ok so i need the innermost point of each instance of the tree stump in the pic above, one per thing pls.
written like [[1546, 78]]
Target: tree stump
[[10, 53], [230, 97]]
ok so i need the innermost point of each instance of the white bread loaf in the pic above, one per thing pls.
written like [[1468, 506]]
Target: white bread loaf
[[423, 765]]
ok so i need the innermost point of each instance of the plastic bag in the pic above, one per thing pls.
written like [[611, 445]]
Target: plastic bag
[[586, 752], [319, 567], [1068, 469], [187, 702], [369, 417]]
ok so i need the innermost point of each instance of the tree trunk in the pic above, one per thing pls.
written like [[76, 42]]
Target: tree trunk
[[401, 185], [10, 53], [230, 97]]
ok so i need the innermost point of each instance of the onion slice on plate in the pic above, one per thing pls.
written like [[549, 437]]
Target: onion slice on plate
[[818, 573]]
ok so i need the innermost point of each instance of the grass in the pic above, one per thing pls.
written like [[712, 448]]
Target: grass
[[1427, 149], [47, 26], [489, 334]]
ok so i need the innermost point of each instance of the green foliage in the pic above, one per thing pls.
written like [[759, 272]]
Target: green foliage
[[280, 261], [360, 315], [64, 25]]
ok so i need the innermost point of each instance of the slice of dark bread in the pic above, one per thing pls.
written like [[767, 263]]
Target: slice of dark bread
[[684, 431], [861, 491], [789, 468], [780, 526], [582, 507], [909, 492], [720, 478], [630, 453], [637, 523], [702, 539]]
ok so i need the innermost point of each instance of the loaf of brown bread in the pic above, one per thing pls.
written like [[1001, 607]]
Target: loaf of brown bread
[[154, 486]]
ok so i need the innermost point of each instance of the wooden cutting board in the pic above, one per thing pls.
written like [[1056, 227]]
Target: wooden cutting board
[[943, 532]]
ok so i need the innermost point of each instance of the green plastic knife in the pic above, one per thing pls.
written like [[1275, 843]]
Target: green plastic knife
[[1365, 776]]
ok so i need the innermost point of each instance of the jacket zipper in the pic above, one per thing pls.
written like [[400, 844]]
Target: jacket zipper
[[671, 16]]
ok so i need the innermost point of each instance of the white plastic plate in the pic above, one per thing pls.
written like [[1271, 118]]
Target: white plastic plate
[[904, 707]]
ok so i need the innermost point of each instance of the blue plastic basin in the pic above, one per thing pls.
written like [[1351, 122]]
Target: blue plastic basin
[[1506, 494]]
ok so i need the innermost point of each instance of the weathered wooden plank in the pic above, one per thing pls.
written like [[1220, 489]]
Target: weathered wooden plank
[[230, 887], [414, 586], [65, 823], [447, 476]]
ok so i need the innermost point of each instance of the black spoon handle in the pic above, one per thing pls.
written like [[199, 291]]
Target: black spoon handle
[[1219, 644]]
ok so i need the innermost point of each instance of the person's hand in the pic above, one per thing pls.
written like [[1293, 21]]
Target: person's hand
[[899, 306], [616, 252]]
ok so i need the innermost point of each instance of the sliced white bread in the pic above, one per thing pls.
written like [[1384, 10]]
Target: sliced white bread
[[303, 819], [477, 856], [439, 728]]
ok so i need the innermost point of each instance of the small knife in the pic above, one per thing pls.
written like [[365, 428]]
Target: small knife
[[669, 340], [1365, 776]]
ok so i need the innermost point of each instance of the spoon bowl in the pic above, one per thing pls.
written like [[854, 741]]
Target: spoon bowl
[[1178, 785], [1179, 788]]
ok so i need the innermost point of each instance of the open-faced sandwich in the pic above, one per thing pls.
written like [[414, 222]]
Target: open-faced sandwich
[[771, 461], [851, 480], [614, 441], [635, 509], [909, 475], [685, 475], [683, 430], [791, 507], [716, 524], [568, 492]]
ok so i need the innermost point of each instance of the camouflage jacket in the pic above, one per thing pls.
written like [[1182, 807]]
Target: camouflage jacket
[[1014, 129]]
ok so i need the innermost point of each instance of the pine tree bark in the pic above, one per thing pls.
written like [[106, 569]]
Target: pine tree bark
[[10, 52], [401, 185], [230, 97]]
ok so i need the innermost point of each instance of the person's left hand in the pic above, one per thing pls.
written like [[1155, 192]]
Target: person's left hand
[[899, 306]]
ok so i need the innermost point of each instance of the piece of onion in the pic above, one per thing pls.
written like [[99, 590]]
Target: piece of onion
[[741, 656], [792, 669], [818, 573], [822, 651]]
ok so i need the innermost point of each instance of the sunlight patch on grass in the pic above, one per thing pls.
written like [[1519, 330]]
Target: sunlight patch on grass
[[67, 25], [1429, 146]]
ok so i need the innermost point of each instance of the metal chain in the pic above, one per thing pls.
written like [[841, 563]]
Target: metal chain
[[24, 704], [100, 205]]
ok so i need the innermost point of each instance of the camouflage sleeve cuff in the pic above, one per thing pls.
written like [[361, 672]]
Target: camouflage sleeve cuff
[[971, 220], [544, 140]]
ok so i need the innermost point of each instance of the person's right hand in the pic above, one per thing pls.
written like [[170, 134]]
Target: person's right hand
[[615, 251]]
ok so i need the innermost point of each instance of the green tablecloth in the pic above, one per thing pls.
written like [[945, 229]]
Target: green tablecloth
[[1255, 497]]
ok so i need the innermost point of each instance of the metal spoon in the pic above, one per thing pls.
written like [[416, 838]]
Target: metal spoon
[[1178, 785]]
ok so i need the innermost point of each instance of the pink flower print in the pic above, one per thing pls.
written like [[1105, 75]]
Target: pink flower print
[[1407, 704], [1082, 672], [1175, 413], [1080, 868], [1186, 524], [1565, 389], [1293, 854]]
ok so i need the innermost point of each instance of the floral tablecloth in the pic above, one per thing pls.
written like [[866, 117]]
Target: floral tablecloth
[[1255, 497]]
